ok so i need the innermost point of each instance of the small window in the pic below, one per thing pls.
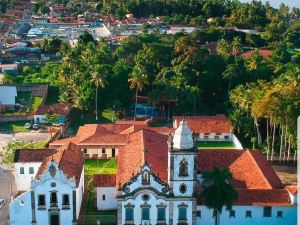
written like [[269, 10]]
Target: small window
[[145, 213], [198, 213], [21, 170], [53, 197], [217, 137], [31, 170], [279, 214], [206, 137], [267, 211], [248, 214], [103, 151], [182, 213], [231, 213], [85, 151], [129, 214], [66, 200], [161, 213], [226, 137], [103, 197], [41, 200], [182, 188], [22, 202]]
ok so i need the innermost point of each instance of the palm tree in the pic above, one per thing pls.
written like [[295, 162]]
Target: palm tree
[[98, 78], [80, 99], [236, 46], [218, 193], [138, 79], [223, 48]]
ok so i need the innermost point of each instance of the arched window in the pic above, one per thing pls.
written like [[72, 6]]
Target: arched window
[[183, 168]]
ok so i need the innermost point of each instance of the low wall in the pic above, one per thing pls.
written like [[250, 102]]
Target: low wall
[[236, 142]]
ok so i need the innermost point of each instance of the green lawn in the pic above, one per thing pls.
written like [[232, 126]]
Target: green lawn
[[215, 144], [100, 166], [91, 215], [14, 127]]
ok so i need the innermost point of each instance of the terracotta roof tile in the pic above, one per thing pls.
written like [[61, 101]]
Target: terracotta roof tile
[[32, 155], [60, 108], [69, 159], [207, 124], [264, 52], [104, 180], [247, 171], [115, 139], [131, 156], [292, 189]]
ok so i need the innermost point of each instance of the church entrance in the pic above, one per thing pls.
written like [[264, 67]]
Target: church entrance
[[54, 219]]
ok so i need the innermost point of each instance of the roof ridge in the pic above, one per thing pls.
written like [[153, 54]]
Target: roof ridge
[[143, 145], [256, 165]]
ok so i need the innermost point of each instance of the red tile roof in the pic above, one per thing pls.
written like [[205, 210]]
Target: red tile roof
[[206, 124], [249, 169], [104, 180], [131, 156], [115, 139], [60, 108], [32, 155], [69, 159], [292, 189], [264, 52]]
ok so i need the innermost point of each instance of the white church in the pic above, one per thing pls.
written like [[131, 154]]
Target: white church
[[50, 185], [159, 180]]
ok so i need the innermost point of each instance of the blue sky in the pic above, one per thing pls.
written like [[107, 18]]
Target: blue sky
[[276, 3]]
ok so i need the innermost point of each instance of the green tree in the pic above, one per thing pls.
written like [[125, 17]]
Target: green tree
[[138, 79], [223, 48], [52, 119], [99, 79], [219, 192]]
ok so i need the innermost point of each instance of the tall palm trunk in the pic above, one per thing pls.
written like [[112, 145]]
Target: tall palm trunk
[[289, 149], [97, 103], [259, 141], [273, 141], [281, 143], [217, 218], [136, 93], [268, 139]]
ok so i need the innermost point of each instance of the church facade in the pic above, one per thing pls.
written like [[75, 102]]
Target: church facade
[[159, 181]]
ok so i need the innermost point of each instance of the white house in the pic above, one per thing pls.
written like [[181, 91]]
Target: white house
[[105, 189], [62, 109], [8, 96], [210, 128], [159, 181], [9, 68], [55, 194]]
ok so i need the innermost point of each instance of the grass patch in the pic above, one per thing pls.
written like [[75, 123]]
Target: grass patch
[[91, 214], [215, 144], [14, 127], [100, 166]]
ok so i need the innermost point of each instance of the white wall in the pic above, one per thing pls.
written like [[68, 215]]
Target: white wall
[[212, 137], [110, 201], [23, 181], [98, 152], [236, 142], [289, 216], [79, 193]]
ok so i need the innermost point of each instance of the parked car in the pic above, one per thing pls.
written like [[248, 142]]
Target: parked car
[[1, 203], [28, 125], [35, 126]]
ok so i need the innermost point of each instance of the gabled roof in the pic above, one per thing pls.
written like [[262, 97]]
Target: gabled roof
[[249, 169], [69, 159], [133, 155], [264, 52], [104, 180], [32, 155], [206, 124], [60, 109]]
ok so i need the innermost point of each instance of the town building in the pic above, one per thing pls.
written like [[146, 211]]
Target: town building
[[56, 186], [159, 181], [210, 128], [8, 96], [61, 109]]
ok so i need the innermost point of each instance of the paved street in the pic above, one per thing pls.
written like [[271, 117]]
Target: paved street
[[7, 189]]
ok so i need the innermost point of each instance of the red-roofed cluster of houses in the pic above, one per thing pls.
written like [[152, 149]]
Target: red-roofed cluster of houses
[[160, 173]]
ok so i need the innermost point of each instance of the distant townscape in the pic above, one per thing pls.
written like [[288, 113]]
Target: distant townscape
[[148, 112]]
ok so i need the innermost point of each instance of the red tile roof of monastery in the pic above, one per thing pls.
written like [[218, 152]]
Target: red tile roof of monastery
[[264, 52], [207, 124], [104, 180]]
